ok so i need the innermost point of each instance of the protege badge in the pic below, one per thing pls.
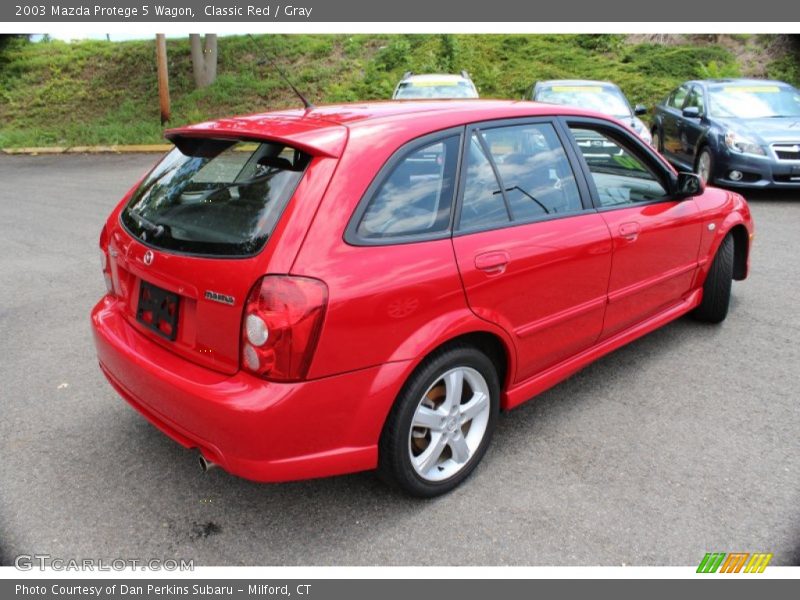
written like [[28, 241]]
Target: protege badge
[[221, 298]]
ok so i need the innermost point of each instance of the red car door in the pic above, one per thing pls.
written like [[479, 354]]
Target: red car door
[[656, 238], [532, 256]]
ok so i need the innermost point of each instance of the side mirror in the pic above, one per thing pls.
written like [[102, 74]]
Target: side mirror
[[688, 185], [691, 112], [639, 110]]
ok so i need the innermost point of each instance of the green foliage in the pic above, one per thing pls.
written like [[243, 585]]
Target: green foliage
[[98, 92], [394, 55], [715, 70], [601, 43], [785, 69]]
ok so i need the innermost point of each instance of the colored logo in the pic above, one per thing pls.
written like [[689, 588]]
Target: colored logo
[[734, 562]]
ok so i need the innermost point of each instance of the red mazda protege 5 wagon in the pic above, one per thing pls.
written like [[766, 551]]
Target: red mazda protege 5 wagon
[[308, 293]]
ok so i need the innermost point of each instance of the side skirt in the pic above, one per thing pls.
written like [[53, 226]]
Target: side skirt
[[526, 390]]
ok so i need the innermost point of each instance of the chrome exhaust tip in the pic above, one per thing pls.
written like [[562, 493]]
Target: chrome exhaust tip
[[206, 465]]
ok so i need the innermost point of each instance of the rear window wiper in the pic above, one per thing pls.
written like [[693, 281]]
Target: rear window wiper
[[145, 223]]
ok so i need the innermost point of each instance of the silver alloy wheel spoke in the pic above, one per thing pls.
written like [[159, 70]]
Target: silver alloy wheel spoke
[[446, 432], [425, 461], [474, 407], [460, 449], [454, 385], [427, 418]]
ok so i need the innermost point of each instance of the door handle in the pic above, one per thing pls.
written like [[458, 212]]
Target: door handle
[[629, 231], [492, 262]]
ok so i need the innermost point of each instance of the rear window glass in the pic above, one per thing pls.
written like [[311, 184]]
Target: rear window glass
[[215, 197]]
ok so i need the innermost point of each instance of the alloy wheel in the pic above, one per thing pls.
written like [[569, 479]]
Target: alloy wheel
[[449, 424]]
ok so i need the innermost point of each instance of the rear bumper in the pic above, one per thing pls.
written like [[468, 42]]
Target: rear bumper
[[252, 428]]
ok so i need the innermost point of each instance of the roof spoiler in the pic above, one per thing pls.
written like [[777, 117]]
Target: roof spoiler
[[317, 139]]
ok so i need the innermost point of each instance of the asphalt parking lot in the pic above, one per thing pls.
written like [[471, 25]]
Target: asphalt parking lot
[[685, 442]]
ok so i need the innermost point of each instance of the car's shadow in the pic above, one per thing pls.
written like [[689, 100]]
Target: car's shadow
[[783, 196], [195, 514]]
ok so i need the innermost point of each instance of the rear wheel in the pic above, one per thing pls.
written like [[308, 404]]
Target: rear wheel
[[441, 424], [717, 287]]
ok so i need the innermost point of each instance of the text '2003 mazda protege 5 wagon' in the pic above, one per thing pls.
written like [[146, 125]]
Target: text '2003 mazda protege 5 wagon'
[[308, 293]]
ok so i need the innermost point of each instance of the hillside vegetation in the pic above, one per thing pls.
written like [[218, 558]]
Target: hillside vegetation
[[97, 92]]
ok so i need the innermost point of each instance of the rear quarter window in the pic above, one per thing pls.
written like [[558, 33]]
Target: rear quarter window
[[413, 198]]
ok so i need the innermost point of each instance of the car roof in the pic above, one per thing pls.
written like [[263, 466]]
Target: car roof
[[325, 129], [740, 80], [444, 77], [577, 82]]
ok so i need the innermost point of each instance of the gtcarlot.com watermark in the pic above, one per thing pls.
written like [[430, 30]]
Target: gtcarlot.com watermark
[[29, 562]]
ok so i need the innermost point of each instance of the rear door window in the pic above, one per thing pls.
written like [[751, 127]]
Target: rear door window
[[483, 205], [517, 173], [215, 197]]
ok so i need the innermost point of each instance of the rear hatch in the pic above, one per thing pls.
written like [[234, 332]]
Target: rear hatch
[[189, 243]]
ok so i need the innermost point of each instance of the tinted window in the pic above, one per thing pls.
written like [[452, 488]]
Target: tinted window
[[217, 197], [677, 97], [483, 205], [533, 166], [621, 178], [417, 195]]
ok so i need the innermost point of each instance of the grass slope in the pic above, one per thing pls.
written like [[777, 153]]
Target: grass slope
[[95, 92]]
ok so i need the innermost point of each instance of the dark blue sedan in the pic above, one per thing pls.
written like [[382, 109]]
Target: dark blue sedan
[[732, 132]]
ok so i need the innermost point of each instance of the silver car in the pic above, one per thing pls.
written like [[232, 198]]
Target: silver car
[[430, 86], [602, 96]]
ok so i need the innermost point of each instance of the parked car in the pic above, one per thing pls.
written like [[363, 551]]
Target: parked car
[[313, 292], [733, 132], [430, 86], [602, 96]]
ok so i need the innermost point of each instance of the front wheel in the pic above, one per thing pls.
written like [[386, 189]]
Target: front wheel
[[717, 287], [656, 143], [441, 424], [705, 165]]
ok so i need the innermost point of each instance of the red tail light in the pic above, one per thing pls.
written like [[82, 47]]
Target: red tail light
[[281, 325]]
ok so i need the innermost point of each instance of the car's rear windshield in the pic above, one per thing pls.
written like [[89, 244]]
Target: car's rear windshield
[[215, 197]]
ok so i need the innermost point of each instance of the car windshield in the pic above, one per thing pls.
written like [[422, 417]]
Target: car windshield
[[753, 101], [601, 98], [418, 90], [215, 197]]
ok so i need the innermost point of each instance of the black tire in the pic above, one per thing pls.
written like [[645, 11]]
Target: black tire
[[394, 459], [717, 287]]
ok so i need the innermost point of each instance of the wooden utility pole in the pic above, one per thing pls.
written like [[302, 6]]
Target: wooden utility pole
[[163, 76]]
